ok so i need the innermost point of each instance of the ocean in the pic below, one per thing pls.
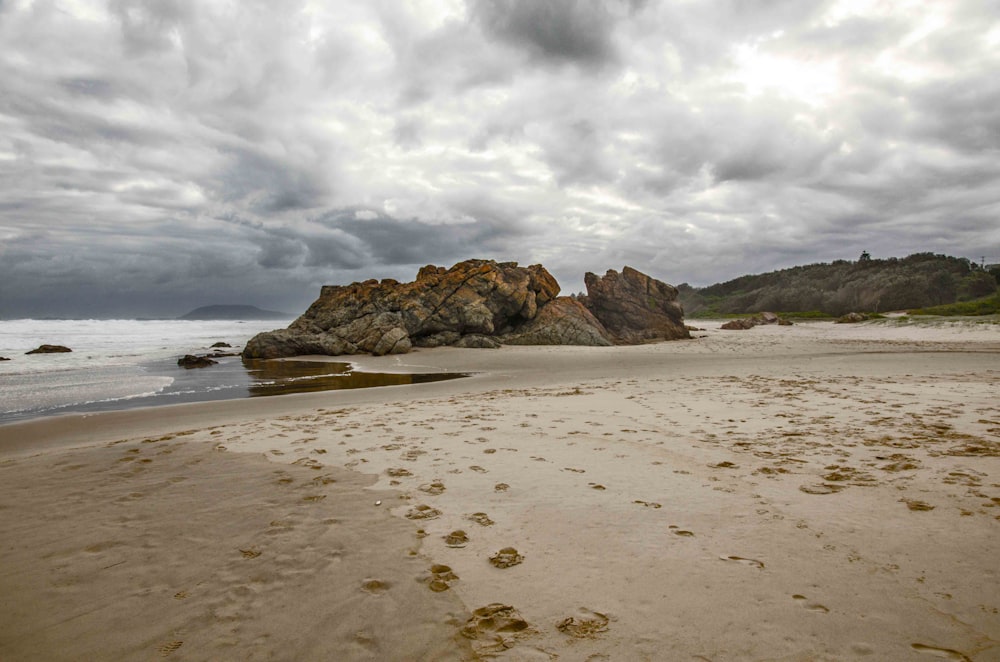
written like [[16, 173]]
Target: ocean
[[121, 364]]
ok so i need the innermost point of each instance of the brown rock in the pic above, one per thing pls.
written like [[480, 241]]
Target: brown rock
[[634, 307], [49, 349], [563, 321], [191, 361], [476, 303]]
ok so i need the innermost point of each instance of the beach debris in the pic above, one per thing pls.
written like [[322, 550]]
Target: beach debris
[[506, 557], [493, 627], [191, 361], [586, 624], [49, 349], [4, 358], [378, 503], [441, 578], [456, 539]]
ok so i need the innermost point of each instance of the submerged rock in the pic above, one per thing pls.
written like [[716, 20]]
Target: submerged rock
[[476, 303]]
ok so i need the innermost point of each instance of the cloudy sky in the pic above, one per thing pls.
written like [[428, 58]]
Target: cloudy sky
[[160, 155]]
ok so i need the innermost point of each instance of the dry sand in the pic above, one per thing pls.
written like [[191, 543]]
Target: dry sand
[[816, 492]]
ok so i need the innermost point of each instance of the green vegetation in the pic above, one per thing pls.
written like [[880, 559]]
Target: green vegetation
[[920, 281], [984, 306]]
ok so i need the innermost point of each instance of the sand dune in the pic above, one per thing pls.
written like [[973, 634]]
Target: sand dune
[[816, 492]]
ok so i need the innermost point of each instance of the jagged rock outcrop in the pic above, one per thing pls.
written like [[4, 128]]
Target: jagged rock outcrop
[[563, 321], [476, 303], [635, 308]]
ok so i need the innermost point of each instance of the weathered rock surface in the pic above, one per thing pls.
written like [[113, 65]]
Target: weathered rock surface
[[756, 320], [476, 303], [192, 361], [563, 321], [635, 308], [49, 349]]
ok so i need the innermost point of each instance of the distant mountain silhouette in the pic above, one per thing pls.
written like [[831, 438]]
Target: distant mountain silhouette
[[223, 312]]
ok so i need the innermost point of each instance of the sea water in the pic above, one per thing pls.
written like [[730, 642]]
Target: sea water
[[116, 363], [122, 364]]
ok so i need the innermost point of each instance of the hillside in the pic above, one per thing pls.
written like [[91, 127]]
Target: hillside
[[921, 280], [229, 312]]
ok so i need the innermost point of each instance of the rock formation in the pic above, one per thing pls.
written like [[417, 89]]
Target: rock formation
[[191, 361], [635, 308], [756, 320], [476, 303]]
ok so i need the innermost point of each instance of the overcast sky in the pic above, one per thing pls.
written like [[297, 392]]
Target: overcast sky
[[160, 155]]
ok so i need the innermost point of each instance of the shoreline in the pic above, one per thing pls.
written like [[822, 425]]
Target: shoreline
[[807, 492]]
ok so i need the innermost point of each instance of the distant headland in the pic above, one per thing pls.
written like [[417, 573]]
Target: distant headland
[[230, 312]]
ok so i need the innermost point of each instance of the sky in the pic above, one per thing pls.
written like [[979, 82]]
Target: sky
[[159, 156]]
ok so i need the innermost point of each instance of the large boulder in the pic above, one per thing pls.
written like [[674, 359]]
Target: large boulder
[[479, 298], [476, 303], [634, 307]]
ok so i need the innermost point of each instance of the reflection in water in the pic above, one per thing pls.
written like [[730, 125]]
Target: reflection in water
[[271, 377]]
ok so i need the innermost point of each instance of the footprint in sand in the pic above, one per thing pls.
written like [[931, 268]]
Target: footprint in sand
[[739, 559], [423, 511], [482, 519], [250, 553], [681, 532], [811, 606], [585, 624], [441, 578], [597, 486], [167, 649], [945, 653], [648, 504], [374, 586], [434, 489], [917, 505], [821, 488], [398, 473], [506, 557], [501, 487], [488, 627], [477, 469], [456, 539]]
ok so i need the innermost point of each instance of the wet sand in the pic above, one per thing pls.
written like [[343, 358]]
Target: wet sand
[[816, 492]]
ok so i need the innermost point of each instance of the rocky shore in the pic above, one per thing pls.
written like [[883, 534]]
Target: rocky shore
[[478, 303]]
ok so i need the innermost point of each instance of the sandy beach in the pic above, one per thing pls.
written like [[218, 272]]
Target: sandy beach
[[814, 492]]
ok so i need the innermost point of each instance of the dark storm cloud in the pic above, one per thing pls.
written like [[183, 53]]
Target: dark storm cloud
[[561, 31]]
